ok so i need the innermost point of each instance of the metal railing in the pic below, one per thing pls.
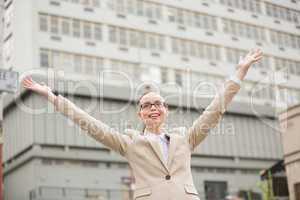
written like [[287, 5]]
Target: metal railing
[[65, 193]]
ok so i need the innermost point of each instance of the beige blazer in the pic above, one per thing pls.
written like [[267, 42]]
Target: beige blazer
[[155, 178]]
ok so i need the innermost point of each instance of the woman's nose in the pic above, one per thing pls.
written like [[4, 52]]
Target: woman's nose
[[153, 107]]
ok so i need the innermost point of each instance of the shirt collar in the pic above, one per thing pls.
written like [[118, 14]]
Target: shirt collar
[[163, 135], [154, 134]]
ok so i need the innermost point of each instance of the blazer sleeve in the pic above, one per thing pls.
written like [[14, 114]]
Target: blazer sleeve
[[95, 128], [212, 114]]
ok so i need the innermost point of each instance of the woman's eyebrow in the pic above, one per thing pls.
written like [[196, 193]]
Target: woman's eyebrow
[[152, 101]]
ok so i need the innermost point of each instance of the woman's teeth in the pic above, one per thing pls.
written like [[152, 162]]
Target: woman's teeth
[[154, 115]]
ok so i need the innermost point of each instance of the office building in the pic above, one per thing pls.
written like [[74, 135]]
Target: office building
[[175, 46]]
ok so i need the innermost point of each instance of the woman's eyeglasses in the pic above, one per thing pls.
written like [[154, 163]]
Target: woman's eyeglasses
[[148, 105]]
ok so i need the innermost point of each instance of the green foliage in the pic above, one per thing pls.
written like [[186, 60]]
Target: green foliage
[[266, 187]]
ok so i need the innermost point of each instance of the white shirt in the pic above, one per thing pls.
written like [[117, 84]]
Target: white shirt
[[163, 141]]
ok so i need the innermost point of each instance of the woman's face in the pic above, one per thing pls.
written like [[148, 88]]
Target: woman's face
[[153, 111]]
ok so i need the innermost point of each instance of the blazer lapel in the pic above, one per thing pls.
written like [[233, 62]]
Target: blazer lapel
[[172, 148], [156, 148]]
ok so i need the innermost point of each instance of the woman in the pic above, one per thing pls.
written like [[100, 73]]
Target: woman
[[160, 160]]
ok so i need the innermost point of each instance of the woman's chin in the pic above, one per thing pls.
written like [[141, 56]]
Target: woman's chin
[[153, 122]]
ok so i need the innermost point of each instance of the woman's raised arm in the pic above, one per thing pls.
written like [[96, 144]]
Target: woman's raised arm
[[95, 128], [212, 114]]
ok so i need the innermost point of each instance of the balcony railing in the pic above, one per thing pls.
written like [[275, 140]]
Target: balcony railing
[[64, 193]]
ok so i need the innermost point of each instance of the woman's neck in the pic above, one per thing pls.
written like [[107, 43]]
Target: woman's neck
[[155, 130]]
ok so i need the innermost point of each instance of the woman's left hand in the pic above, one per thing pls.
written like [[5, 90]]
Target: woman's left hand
[[244, 64]]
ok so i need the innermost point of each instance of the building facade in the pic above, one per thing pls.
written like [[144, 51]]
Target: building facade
[[1, 30], [291, 148], [103, 53]]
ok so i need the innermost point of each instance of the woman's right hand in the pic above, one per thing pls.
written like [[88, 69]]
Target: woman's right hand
[[41, 89]]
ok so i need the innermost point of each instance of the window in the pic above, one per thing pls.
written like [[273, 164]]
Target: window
[[178, 77], [164, 75], [192, 48], [171, 14], [77, 63], [96, 3], [233, 55], [44, 58], [87, 30], [142, 40], [76, 28], [191, 18], [263, 64], [183, 45], [88, 65], [72, 63], [244, 30], [200, 50], [65, 26], [87, 3], [158, 11], [285, 39], [174, 45], [123, 36], [97, 32], [283, 13], [152, 41], [99, 65], [161, 42], [248, 5], [215, 190], [149, 10], [131, 6], [55, 59], [120, 6], [290, 66], [112, 34], [134, 38], [140, 8], [67, 62], [54, 24], [137, 7], [43, 22]]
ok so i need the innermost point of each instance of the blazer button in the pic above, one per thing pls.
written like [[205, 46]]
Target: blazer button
[[168, 177]]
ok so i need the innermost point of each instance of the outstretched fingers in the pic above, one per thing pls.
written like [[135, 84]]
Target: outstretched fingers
[[28, 82], [258, 58], [258, 54], [26, 79], [255, 52]]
